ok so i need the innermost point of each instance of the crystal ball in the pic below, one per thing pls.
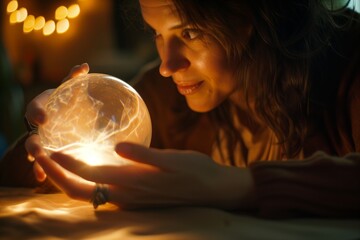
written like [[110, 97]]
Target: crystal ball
[[89, 114]]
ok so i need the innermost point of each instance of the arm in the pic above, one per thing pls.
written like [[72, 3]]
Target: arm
[[155, 178], [320, 185]]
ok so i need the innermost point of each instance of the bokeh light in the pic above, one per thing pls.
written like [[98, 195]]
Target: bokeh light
[[61, 13], [62, 26], [13, 17], [49, 28], [12, 6], [29, 24], [73, 11], [39, 23], [21, 14]]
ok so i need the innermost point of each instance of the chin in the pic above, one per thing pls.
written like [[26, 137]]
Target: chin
[[200, 107]]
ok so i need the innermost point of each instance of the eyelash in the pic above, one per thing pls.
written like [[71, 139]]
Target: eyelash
[[186, 33]]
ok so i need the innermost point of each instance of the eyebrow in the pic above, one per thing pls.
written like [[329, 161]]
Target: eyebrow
[[181, 25], [178, 26]]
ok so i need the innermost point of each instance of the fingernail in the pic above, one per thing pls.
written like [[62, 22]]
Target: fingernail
[[31, 158]]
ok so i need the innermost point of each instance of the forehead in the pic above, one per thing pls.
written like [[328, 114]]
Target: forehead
[[155, 3], [158, 11]]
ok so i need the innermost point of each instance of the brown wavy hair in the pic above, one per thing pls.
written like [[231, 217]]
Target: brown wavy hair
[[274, 64]]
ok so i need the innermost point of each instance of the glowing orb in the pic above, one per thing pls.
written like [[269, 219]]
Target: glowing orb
[[89, 114]]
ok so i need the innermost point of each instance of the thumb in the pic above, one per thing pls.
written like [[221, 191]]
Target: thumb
[[141, 154]]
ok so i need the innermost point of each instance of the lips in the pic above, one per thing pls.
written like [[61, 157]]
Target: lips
[[188, 89]]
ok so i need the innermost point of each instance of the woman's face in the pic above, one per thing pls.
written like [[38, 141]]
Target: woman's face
[[196, 62]]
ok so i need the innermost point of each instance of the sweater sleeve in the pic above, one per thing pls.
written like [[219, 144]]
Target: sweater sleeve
[[321, 185]]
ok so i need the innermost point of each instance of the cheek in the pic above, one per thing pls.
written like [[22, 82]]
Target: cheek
[[222, 74]]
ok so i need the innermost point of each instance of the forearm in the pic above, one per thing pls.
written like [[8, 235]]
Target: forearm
[[321, 185]]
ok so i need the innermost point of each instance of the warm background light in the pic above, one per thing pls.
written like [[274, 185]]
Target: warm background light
[[49, 27], [73, 11], [29, 24], [13, 17], [61, 13], [60, 23], [39, 23], [12, 6], [21, 15], [62, 26]]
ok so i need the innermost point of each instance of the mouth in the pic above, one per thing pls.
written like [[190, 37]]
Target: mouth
[[188, 89]]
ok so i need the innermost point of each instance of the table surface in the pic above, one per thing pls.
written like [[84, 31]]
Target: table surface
[[27, 215]]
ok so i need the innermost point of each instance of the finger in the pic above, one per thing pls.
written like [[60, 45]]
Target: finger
[[79, 168], [39, 172], [101, 174], [142, 154], [77, 71], [72, 185], [33, 147], [35, 110]]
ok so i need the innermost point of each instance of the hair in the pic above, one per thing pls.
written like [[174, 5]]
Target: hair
[[273, 67]]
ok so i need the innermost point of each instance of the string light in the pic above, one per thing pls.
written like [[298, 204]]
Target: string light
[[59, 24], [39, 23], [29, 23], [62, 25], [49, 28], [12, 6]]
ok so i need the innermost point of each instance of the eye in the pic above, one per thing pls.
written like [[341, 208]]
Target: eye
[[154, 34], [191, 34]]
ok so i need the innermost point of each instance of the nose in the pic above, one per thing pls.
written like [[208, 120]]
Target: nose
[[173, 58]]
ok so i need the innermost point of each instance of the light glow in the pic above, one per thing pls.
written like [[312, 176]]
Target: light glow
[[29, 24], [89, 114], [93, 153], [39, 23], [13, 17], [61, 13], [26, 207], [49, 28], [21, 15], [73, 11], [62, 26], [12, 6]]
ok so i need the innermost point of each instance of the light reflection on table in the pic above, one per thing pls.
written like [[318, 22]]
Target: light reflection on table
[[25, 214]]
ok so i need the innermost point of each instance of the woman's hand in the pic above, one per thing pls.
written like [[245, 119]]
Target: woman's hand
[[35, 114], [154, 178]]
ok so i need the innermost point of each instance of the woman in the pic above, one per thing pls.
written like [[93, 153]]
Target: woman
[[273, 86]]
